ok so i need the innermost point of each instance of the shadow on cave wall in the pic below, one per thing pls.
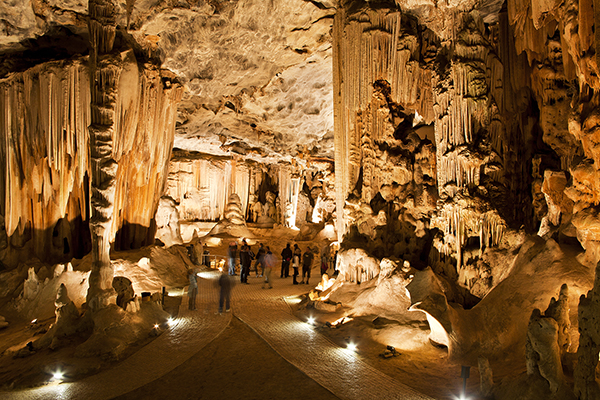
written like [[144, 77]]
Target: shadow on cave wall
[[59, 244]]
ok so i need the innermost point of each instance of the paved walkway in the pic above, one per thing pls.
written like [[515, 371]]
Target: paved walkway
[[267, 313]]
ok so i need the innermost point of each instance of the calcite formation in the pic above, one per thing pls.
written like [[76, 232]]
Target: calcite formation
[[66, 323], [548, 340], [586, 386]]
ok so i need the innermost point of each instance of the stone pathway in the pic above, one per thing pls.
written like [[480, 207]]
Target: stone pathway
[[191, 331], [337, 369], [267, 313]]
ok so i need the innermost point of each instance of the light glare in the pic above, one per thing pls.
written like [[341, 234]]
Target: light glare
[[351, 346], [58, 375]]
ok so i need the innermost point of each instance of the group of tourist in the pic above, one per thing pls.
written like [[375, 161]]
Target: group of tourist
[[266, 261]]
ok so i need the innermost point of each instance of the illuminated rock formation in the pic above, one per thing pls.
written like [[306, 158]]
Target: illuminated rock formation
[[548, 340], [66, 324], [233, 222], [586, 386]]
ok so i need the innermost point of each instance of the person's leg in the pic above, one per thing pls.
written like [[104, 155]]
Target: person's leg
[[294, 276], [227, 300], [192, 295], [268, 276], [287, 269], [221, 300], [307, 275], [282, 268]]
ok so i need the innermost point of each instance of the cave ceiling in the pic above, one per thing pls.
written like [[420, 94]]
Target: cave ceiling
[[257, 74]]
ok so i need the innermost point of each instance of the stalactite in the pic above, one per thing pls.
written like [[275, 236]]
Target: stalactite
[[43, 130], [370, 45]]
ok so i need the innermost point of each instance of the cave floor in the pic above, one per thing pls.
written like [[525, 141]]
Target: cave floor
[[260, 350]]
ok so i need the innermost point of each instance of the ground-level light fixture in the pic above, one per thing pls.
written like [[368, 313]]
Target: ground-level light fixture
[[57, 376], [351, 346], [310, 320]]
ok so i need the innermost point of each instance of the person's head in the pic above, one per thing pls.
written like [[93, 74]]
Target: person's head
[[295, 245], [288, 246], [190, 271], [268, 249]]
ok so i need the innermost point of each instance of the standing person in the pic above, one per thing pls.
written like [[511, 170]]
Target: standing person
[[269, 263], [224, 292], [296, 266], [231, 254], [192, 290], [297, 251], [245, 261], [325, 259], [307, 259], [286, 257], [260, 255]]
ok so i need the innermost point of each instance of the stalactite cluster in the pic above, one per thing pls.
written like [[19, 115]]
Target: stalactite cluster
[[43, 134]]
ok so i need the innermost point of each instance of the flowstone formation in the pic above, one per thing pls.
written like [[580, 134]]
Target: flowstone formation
[[548, 340], [586, 385]]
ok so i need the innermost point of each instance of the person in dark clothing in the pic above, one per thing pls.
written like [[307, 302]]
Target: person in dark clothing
[[245, 261], [193, 289], [307, 259], [286, 257], [260, 255], [224, 292]]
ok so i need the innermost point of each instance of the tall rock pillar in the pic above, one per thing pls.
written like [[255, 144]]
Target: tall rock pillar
[[104, 77]]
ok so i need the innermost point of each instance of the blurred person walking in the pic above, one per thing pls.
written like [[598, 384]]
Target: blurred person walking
[[269, 262], [260, 255], [231, 255], [192, 290], [225, 285]]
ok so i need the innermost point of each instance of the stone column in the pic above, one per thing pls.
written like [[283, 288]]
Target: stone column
[[104, 74]]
